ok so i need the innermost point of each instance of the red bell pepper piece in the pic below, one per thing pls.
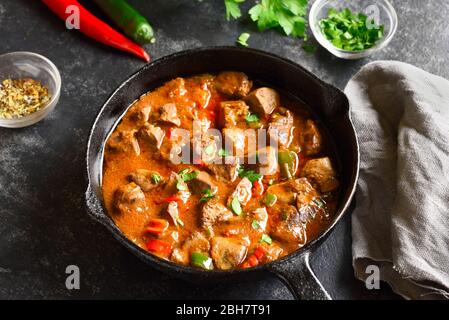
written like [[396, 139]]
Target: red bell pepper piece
[[258, 188], [252, 260], [94, 28], [157, 226], [158, 246], [171, 198], [260, 252]]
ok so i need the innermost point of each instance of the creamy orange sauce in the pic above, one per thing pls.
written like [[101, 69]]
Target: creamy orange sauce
[[198, 98]]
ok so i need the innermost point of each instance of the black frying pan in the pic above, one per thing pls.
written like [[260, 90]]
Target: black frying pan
[[328, 103]]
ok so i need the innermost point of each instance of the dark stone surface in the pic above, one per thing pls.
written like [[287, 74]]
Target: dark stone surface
[[43, 223]]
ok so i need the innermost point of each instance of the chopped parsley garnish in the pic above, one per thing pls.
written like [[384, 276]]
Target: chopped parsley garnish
[[233, 9], [350, 31], [207, 195], [289, 15], [250, 174], [187, 175], [266, 238], [155, 178], [252, 117], [242, 39]]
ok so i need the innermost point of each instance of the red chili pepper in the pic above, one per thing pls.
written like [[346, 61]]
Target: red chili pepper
[[157, 226], [245, 265], [158, 246], [94, 28]]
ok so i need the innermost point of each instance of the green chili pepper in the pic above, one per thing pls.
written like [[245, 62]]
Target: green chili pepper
[[288, 161], [285, 157], [201, 260], [270, 199], [266, 238], [236, 207], [128, 19]]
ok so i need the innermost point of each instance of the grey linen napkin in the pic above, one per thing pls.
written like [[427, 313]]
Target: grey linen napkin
[[401, 220]]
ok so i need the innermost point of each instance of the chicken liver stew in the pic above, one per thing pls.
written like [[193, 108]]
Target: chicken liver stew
[[215, 172]]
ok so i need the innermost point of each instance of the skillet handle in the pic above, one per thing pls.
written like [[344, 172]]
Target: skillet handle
[[299, 277]]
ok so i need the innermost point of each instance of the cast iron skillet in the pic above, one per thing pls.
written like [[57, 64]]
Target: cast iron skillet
[[330, 105]]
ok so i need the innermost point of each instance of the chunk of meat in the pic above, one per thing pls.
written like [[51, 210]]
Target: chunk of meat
[[200, 128], [321, 172], [130, 197], [169, 114], [214, 211], [225, 169], [234, 113], [197, 242], [311, 139], [206, 150], [289, 228], [227, 253], [173, 212], [233, 84], [203, 182], [153, 135], [176, 149], [242, 191], [289, 191], [235, 141], [301, 192], [261, 216], [263, 101], [176, 88], [173, 186], [267, 162], [144, 179], [273, 252], [124, 141], [280, 128], [141, 114]]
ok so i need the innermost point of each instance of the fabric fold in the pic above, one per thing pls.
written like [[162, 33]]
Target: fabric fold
[[401, 222]]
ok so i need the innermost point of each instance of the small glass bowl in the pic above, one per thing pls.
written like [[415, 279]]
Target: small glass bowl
[[387, 17], [19, 65]]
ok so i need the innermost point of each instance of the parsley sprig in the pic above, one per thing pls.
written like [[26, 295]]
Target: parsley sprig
[[233, 9], [187, 175], [289, 15], [250, 174], [207, 195]]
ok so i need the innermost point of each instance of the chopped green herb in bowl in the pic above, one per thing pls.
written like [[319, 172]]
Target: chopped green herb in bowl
[[350, 31], [353, 29]]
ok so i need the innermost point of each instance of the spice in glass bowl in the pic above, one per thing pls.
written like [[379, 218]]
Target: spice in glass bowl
[[21, 97]]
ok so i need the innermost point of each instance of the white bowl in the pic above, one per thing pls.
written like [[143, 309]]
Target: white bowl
[[18, 65], [387, 17]]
